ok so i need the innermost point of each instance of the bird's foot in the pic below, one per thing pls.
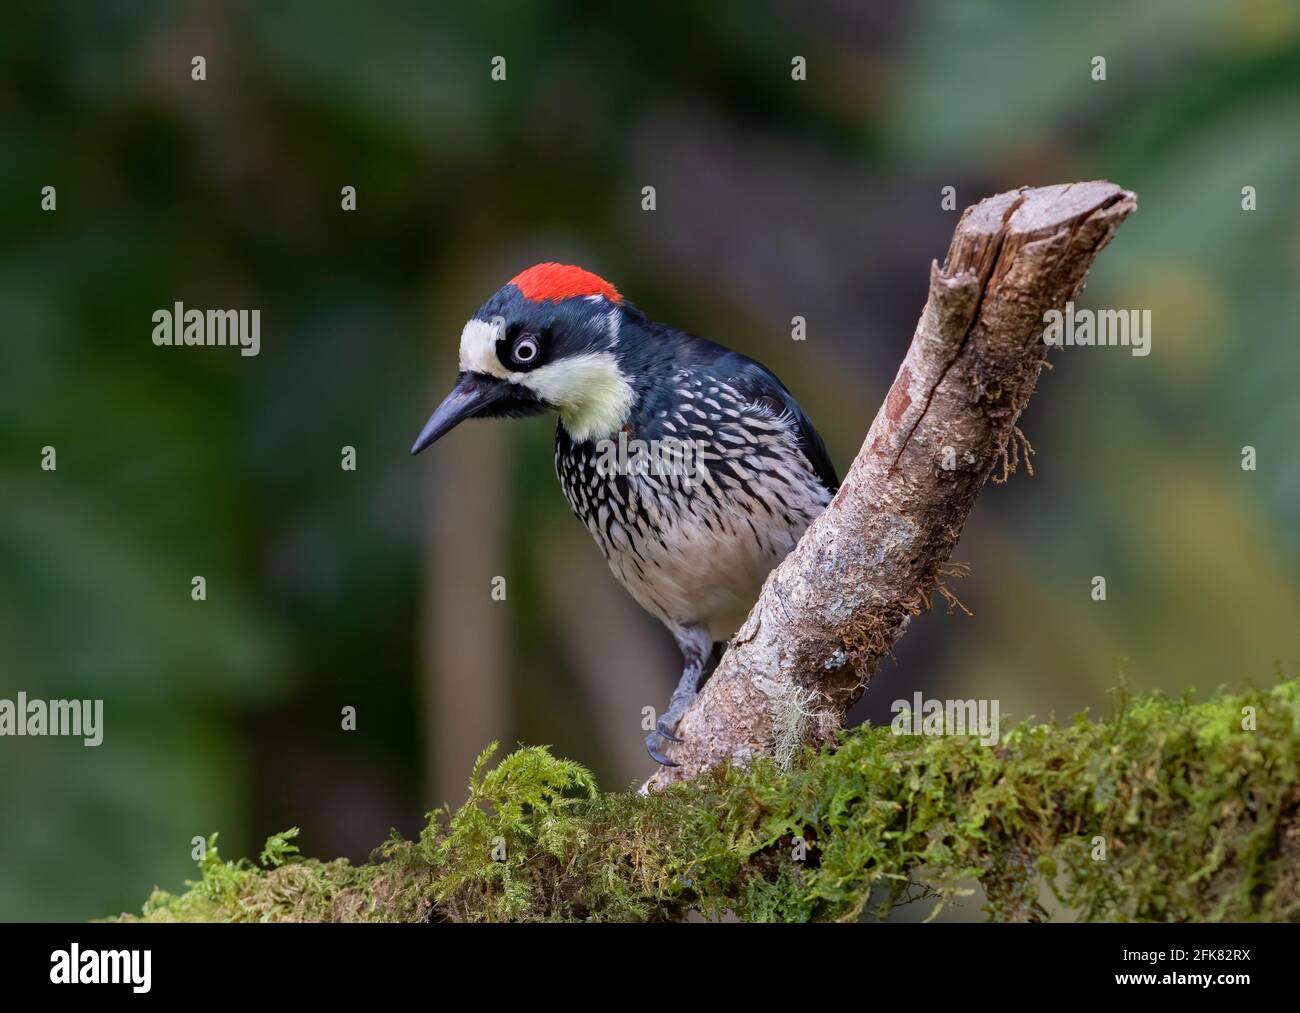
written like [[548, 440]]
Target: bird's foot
[[655, 744], [667, 726], [695, 648], [665, 732]]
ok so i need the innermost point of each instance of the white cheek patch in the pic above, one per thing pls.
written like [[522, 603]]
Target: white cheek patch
[[589, 390], [478, 348]]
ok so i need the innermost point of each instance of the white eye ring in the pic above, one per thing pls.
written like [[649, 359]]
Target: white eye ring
[[525, 349]]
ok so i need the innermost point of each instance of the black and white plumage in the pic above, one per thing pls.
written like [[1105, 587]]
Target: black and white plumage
[[692, 466]]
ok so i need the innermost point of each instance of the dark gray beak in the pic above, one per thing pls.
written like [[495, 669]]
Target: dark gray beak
[[474, 394]]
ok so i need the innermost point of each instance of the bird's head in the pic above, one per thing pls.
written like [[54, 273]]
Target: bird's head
[[547, 341]]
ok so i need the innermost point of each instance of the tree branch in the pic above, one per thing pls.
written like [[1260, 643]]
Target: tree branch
[[838, 603]]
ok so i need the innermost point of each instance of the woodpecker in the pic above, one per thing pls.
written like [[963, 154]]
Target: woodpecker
[[691, 532]]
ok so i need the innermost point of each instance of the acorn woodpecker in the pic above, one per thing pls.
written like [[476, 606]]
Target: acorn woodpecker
[[692, 466]]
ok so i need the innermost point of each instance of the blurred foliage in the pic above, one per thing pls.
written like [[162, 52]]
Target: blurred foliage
[[776, 198], [1168, 811]]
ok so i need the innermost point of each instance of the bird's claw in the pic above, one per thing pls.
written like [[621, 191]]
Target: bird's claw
[[666, 728], [654, 745]]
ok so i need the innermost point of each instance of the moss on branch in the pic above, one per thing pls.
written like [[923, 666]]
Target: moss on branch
[[1167, 810]]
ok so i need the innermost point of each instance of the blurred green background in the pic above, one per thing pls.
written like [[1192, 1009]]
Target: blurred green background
[[371, 589]]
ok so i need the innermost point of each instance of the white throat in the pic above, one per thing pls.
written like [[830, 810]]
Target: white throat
[[590, 391]]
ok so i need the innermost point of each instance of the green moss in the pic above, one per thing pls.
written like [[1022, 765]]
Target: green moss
[[1199, 817]]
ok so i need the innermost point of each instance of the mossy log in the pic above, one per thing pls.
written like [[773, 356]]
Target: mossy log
[[1165, 811]]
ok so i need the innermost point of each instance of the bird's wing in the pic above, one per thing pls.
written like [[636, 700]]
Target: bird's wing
[[760, 386]]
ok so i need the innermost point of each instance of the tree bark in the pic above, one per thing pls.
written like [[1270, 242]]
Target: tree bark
[[838, 603]]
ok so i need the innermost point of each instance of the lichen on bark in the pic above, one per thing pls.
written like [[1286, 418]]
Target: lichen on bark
[[1166, 810]]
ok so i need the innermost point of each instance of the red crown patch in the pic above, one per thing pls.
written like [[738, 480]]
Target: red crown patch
[[554, 282]]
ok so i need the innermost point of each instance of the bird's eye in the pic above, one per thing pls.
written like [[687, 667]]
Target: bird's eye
[[526, 349]]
